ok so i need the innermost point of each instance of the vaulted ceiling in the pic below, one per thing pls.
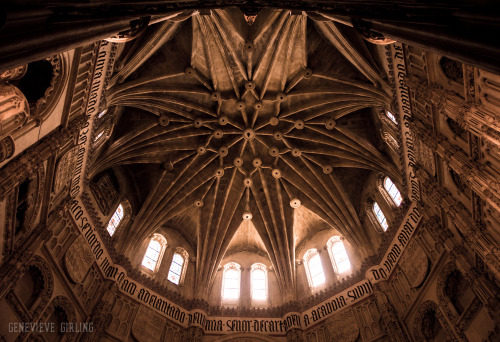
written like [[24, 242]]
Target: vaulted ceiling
[[229, 128]]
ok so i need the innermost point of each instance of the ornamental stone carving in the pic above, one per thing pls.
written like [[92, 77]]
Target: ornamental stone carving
[[7, 148], [78, 259], [415, 264], [14, 109], [14, 73], [148, 325]]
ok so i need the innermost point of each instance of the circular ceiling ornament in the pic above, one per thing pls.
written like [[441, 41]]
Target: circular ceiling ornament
[[257, 162], [219, 173], [249, 47], [198, 203], [281, 97], [168, 165], [278, 135], [274, 121], [223, 151], [249, 134], [247, 182], [299, 124], [215, 96], [258, 105], [276, 173], [163, 120], [201, 150], [223, 120], [238, 162], [296, 152], [241, 105], [327, 169], [307, 73], [295, 203], [247, 216], [250, 85], [330, 124], [274, 151], [198, 123], [218, 133], [189, 71]]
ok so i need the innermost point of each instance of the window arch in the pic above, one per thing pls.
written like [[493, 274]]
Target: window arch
[[259, 282], [393, 191], [115, 220], [391, 116], [178, 266], [231, 281], [154, 253], [338, 255], [314, 268], [380, 216]]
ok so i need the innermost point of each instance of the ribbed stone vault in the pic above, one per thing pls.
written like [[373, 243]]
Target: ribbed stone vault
[[246, 123]]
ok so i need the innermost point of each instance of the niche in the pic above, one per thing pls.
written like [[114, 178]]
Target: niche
[[22, 205], [431, 328], [57, 318], [36, 81], [453, 70], [30, 286], [458, 291]]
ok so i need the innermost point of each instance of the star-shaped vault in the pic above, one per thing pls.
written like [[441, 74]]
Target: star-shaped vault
[[246, 123]]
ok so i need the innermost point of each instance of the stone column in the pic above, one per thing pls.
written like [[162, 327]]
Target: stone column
[[330, 272]]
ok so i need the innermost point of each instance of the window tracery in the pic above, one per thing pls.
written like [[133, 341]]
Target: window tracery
[[231, 281], [391, 117], [154, 252], [338, 255], [393, 191], [259, 282], [178, 266], [314, 268], [115, 220], [380, 216]]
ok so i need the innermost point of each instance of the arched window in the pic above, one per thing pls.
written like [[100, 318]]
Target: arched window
[[314, 268], [393, 191], [380, 216], [391, 116], [101, 114], [178, 266], [259, 282], [154, 252], [98, 137], [338, 254], [231, 281], [115, 220]]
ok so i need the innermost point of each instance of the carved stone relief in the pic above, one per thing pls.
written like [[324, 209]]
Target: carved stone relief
[[148, 325], [343, 327], [78, 260], [104, 193], [14, 109], [415, 264]]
